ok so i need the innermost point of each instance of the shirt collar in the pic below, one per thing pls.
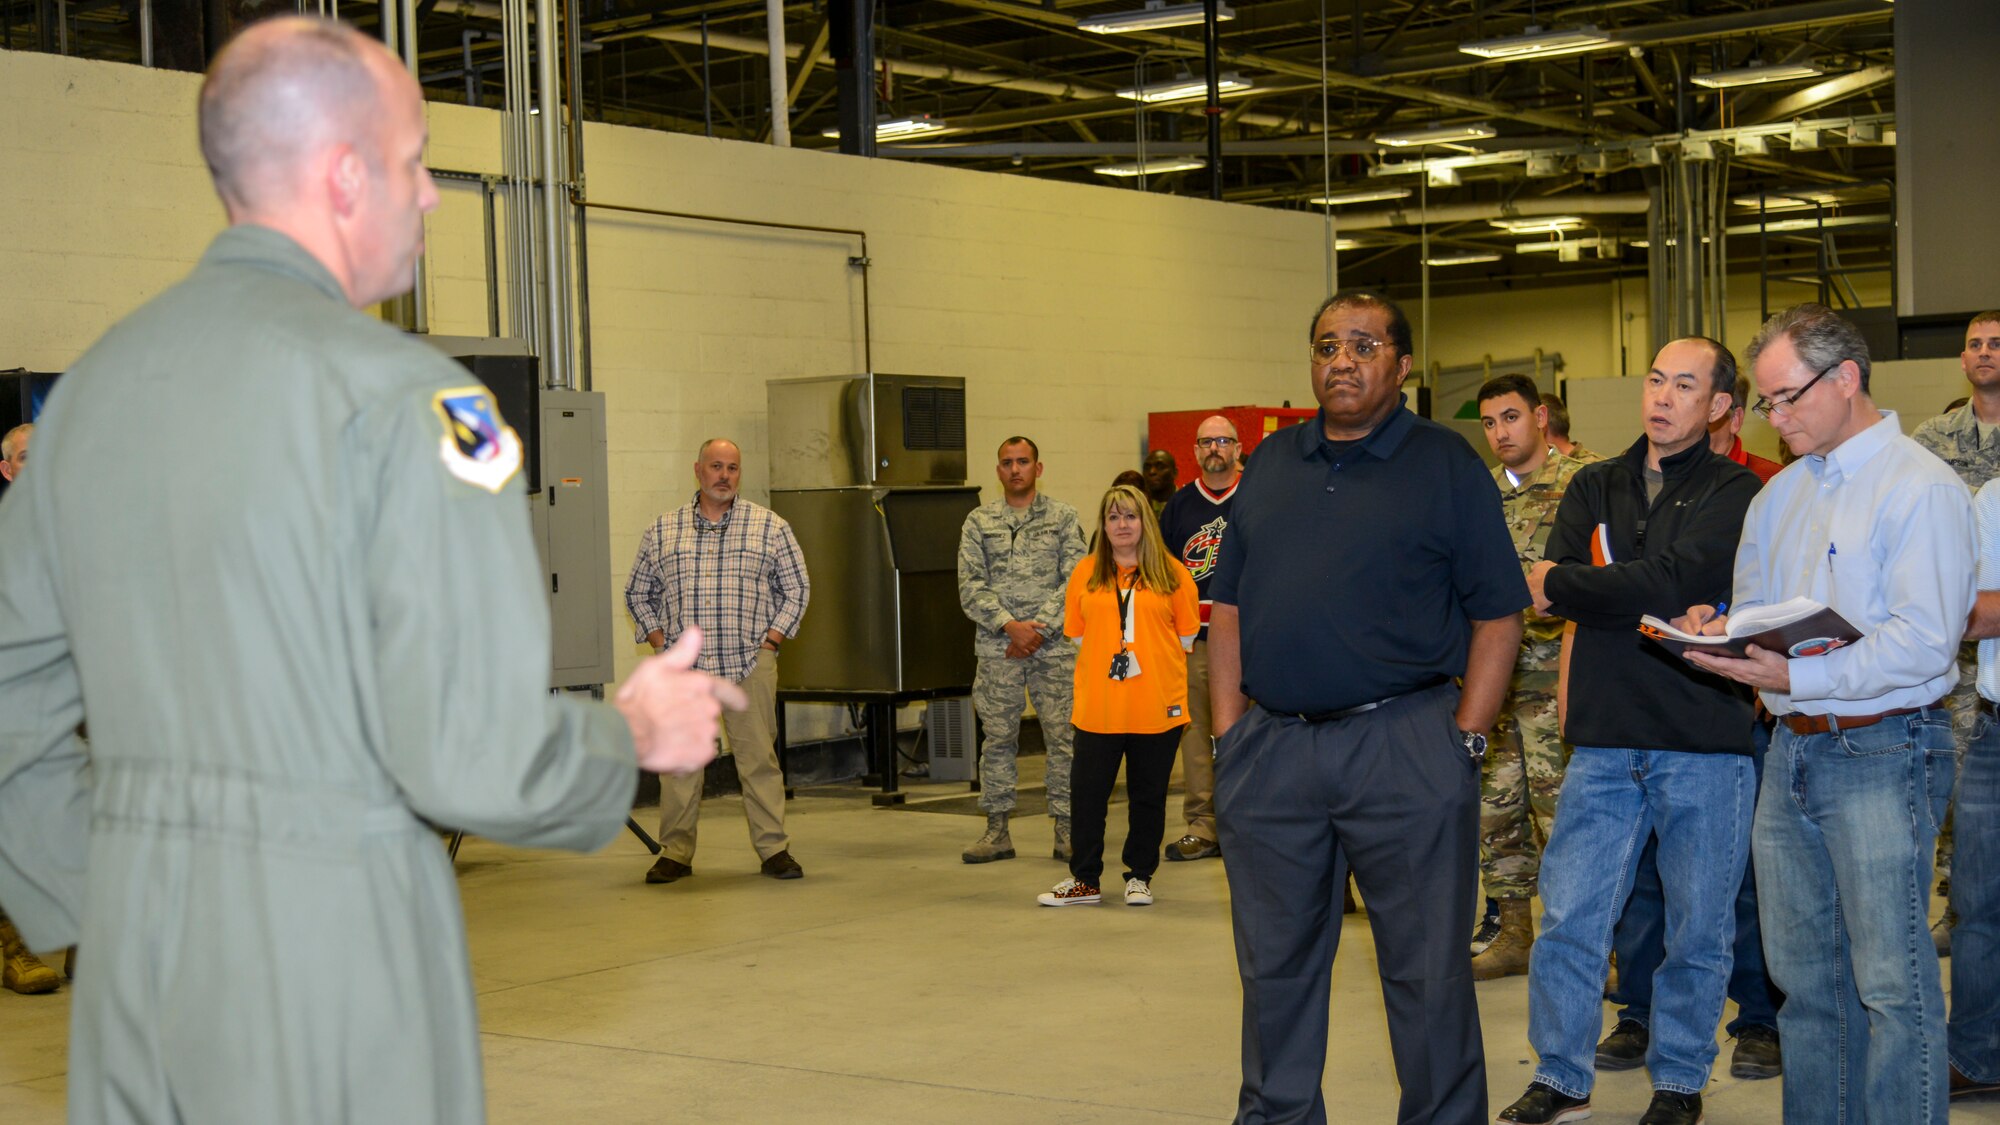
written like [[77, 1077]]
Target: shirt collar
[[1381, 442], [1958, 421], [1551, 465], [265, 248], [1848, 458], [1672, 465], [1219, 497]]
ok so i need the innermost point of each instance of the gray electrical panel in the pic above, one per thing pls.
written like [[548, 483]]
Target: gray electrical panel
[[572, 520]]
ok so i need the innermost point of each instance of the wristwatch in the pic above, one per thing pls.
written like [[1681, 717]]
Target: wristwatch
[[1474, 742]]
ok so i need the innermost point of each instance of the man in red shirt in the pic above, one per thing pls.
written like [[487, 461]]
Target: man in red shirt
[[1724, 435]]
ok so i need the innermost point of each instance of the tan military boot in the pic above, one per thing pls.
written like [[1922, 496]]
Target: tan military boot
[[995, 844], [1508, 955], [22, 971], [1063, 850]]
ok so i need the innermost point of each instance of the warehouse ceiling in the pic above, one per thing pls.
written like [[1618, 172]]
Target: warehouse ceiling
[[1577, 133]]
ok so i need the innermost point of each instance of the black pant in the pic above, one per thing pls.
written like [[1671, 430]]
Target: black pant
[[1149, 762], [1392, 792]]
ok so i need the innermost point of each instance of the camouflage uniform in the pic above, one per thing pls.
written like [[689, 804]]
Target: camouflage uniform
[[1954, 436], [1013, 565], [1524, 762]]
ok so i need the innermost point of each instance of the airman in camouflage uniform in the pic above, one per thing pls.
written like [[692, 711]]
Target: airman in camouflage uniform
[[1015, 556], [1525, 758], [1973, 452]]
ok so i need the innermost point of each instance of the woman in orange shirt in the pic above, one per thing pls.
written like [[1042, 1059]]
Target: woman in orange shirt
[[1135, 610]]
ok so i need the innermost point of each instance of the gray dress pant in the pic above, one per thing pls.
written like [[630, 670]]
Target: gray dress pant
[[1392, 793]]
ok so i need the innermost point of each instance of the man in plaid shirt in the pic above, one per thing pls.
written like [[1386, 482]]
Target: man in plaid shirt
[[733, 568]]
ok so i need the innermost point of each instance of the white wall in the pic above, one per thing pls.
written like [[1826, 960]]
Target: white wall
[[1071, 311]]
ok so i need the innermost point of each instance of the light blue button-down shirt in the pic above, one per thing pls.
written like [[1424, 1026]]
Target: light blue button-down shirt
[[1882, 531], [1986, 509]]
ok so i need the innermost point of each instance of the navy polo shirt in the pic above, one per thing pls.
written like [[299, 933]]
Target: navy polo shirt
[[1358, 567]]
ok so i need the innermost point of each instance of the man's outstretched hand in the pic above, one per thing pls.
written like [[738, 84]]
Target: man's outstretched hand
[[675, 712]]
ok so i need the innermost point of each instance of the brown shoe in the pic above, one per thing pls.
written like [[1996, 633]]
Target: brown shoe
[[20, 970], [1507, 956], [667, 870], [1192, 846], [783, 866], [1962, 1086]]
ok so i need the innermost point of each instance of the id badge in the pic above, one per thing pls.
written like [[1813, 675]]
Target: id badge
[[1125, 665]]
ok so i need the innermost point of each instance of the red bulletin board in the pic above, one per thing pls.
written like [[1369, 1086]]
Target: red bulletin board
[[1173, 430]]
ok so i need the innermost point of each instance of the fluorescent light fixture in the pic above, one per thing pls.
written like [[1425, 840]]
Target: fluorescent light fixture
[[896, 128], [1437, 135], [1539, 224], [1158, 165], [1185, 89], [1788, 201], [1359, 195], [1756, 75], [1535, 41], [1461, 259], [1346, 244], [1558, 246], [1155, 15]]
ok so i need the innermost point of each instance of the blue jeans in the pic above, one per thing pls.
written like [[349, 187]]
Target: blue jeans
[[1641, 937], [1846, 825], [1975, 894], [1699, 806]]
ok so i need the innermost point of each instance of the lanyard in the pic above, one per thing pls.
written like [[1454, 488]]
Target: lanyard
[[1125, 597]]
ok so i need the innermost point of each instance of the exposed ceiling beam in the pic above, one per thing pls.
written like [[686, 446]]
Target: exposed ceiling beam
[[1821, 93], [1336, 78]]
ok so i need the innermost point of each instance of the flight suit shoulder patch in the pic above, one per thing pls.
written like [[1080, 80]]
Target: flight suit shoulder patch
[[476, 446]]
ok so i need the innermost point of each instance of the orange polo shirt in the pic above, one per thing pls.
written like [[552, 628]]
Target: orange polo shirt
[[1156, 699]]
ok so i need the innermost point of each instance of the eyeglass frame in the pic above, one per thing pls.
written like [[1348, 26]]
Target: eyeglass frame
[[1215, 442], [1765, 406], [1350, 346]]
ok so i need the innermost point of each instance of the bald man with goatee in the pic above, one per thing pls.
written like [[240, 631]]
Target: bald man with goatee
[[336, 637]]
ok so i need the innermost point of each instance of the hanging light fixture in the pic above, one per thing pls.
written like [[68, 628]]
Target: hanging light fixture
[[1756, 75], [1156, 166], [1359, 195], [1437, 135], [1185, 88], [1536, 42], [1154, 16]]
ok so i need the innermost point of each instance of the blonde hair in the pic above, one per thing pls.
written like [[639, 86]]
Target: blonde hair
[[1156, 570]]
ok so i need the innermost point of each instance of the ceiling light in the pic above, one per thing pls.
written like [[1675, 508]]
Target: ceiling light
[[1184, 88], [1756, 75], [1359, 195], [1346, 244], [1158, 165], [896, 128], [1535, 41], [1461, 259], [1540, 224], [1437, 135], [1558, 247], [1155, 15], [1788, 201]]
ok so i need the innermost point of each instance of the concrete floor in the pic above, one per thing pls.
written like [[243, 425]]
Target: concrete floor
[[892, 984]]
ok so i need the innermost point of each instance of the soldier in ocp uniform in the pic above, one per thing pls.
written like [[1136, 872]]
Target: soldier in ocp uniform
[[1968, 439], [1524, 762], [1015, 556]]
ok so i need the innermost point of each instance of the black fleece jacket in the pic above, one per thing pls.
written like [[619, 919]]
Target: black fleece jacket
[[1624, 690]]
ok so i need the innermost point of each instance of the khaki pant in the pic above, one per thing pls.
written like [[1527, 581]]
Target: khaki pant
[[1197, 753], [753, 741]]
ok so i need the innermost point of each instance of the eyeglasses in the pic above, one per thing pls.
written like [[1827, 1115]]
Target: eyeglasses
[[1361, 348], [1765, 407], [1214, 442]]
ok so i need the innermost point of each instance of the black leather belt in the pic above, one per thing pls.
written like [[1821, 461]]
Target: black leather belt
[[1350, 712]]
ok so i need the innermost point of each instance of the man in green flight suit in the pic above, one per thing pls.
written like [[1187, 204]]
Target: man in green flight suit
[[1524, 762], [323, 629]]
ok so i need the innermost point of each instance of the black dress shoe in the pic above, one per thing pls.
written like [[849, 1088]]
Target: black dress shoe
[[1625, 1047], [1545, 1105], [667, 870], [783, 866], [1669, 1108], [1756, 1054]]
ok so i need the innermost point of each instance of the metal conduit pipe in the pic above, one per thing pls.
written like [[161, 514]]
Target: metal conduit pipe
[[548, 99], [1635, 203], [776, 49]]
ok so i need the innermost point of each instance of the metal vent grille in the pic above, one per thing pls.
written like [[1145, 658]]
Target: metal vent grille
[[948, 729], [933, 418]]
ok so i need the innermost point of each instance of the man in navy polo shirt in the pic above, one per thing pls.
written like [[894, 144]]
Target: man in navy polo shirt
[[1367, 566]]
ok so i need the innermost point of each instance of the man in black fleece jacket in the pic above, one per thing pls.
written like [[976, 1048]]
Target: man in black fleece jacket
[[1661, 748]]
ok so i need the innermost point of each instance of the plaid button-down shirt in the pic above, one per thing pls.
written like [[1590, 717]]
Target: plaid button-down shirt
[[736, 579]]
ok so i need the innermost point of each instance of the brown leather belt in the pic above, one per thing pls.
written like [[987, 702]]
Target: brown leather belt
[[1825, 724]]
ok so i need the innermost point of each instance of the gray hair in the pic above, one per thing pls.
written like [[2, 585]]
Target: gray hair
[[701, 453], [1822, 337]]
